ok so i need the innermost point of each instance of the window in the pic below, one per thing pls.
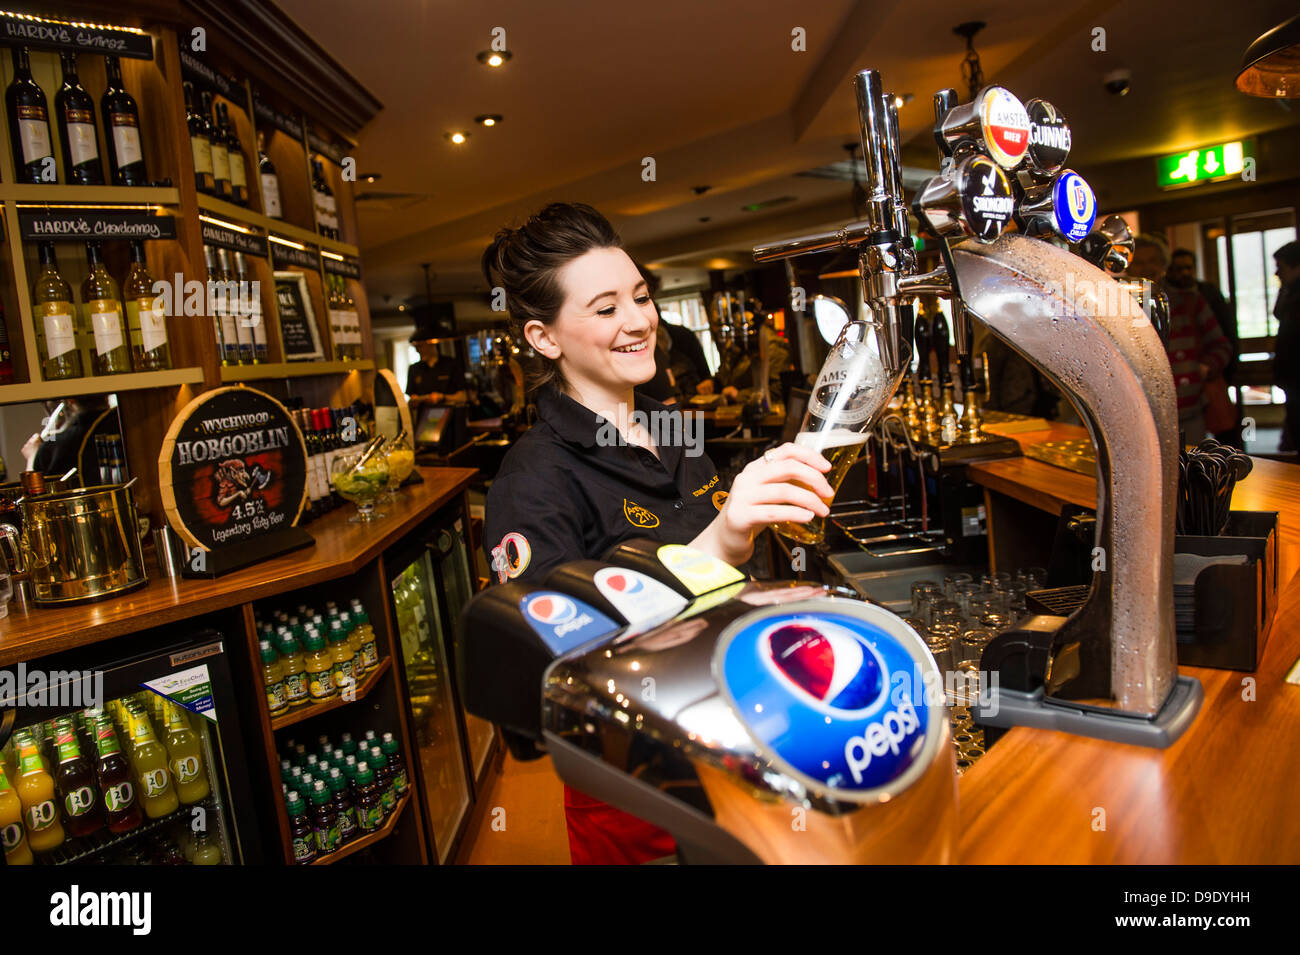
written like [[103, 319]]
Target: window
[[1254, 288], [687, 309]]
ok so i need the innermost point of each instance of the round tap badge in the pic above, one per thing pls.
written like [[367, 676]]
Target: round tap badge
[[986, 197], [833, 694], [1049, 136], [1005, 125], [1074, 206]]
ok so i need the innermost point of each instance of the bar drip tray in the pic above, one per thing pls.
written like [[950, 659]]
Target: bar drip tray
[[1057, 601]]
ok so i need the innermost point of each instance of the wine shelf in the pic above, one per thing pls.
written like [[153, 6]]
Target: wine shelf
[[278, 227], [99, 385], [293, 369], [90, 195]]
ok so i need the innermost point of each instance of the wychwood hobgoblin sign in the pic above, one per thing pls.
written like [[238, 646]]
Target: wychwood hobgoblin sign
[[232, 470]]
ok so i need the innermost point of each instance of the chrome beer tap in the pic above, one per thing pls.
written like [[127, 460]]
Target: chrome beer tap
[[1109, 668]]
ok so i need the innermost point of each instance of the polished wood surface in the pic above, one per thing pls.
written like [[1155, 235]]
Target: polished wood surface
[[341, 550], [1225, 792]]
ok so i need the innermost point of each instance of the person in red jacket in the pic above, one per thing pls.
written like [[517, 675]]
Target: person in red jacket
[[589, 474], [1197, 348]]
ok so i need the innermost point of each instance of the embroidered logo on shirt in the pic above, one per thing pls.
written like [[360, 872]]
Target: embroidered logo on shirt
[[637, 515], [719, 498], [702, 490], [510, 558]]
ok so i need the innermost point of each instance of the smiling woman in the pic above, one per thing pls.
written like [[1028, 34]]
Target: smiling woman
[[589, 474]]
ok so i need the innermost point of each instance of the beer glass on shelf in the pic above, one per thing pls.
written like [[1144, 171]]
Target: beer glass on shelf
[[853, 387]]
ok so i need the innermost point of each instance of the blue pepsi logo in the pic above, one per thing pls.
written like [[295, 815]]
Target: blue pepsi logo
[[551, 609], [830, 664], [831, 692]]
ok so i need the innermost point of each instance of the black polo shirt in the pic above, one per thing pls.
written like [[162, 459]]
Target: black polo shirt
[[563, 495]]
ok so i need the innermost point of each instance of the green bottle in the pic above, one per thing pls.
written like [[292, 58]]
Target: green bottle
[[103, 305], [56, 323]]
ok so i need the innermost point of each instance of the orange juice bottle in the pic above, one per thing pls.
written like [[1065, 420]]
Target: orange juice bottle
[[320, 668], [185, 758], [344, 671], [36, 793], [17, 851], [157, 794], [365, 636], [272, 679]]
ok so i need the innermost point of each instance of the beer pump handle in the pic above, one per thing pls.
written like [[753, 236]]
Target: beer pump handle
[[939, 337], [923, 332], [944, 101]]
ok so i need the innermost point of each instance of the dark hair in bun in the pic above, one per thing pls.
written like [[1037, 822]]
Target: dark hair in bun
[[526, 262]]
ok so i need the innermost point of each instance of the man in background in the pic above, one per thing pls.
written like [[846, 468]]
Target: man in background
[[1182, 275], [1286, 350], [1197, 347], [435, 379]]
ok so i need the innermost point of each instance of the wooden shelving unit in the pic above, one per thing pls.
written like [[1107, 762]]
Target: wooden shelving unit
[[135, 381], [293, 369], [268, 61], [365, 842], [310, 710]]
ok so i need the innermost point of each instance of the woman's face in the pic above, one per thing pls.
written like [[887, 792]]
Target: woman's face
[[604, 334]]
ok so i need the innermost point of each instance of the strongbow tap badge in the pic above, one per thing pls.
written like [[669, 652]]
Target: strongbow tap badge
[[232, 467], [833, 699]]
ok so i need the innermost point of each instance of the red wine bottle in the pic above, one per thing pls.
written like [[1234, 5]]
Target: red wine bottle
[[29, 124], [76, 112], [122, 130]]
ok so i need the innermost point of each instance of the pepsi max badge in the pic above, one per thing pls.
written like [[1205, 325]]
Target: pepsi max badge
[[564, 622], [640, 599], [834, 696]]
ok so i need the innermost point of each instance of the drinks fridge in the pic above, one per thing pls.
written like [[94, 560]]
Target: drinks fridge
[[429, 582], [132, 760]]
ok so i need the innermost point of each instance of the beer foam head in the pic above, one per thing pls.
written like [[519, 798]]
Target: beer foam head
[[833, 438]]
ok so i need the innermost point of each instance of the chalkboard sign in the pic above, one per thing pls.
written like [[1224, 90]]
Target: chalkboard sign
[[49, 34], [66, 224], [206, 77], [283, 256], [333, 151], [299, 338], [234, 240], [267, 114], [232, 469], [343, 265]]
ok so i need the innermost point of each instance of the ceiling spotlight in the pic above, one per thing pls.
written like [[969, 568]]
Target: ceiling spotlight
[[490, 119], [457, 136], [493, 57], [401, 308], [371, 176], [903, 99]]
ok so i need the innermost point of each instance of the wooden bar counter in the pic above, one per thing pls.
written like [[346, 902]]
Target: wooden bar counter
[[1226, 792], [341, 550]]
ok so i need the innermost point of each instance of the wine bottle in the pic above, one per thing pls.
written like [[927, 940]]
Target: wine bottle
[[76, 112], [270, 181], [235, 318], [214, 307], [200, 144], [331, 208], [145, 318], [6, 357], [334, 308], [235, 153], [29, 124], [56, 325], [252, 294], [354, 321], [121, 129], [220, 154], [318, 198], [112, 355]]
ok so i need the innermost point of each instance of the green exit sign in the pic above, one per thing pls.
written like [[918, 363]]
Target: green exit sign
[[1206, 164]]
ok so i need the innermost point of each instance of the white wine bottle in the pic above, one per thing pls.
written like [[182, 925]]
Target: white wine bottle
[[112, 354], [145, 318], [56, 324]]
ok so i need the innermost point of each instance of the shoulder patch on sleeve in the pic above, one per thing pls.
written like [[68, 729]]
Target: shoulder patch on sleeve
[[510, 558]]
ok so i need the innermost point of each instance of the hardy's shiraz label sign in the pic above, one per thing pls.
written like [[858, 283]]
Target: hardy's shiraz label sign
[[50, 34]]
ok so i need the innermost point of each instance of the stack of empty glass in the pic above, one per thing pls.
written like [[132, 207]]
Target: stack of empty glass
[[957, 620]]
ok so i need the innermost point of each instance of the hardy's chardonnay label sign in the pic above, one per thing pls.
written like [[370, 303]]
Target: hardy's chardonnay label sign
[[233, 467], [50, 225]]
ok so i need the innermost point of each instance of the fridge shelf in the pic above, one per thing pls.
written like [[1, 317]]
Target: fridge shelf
[[356, 845], [314, 709], [88, 847]]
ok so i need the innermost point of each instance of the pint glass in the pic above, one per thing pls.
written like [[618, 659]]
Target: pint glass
[[852, 390]]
